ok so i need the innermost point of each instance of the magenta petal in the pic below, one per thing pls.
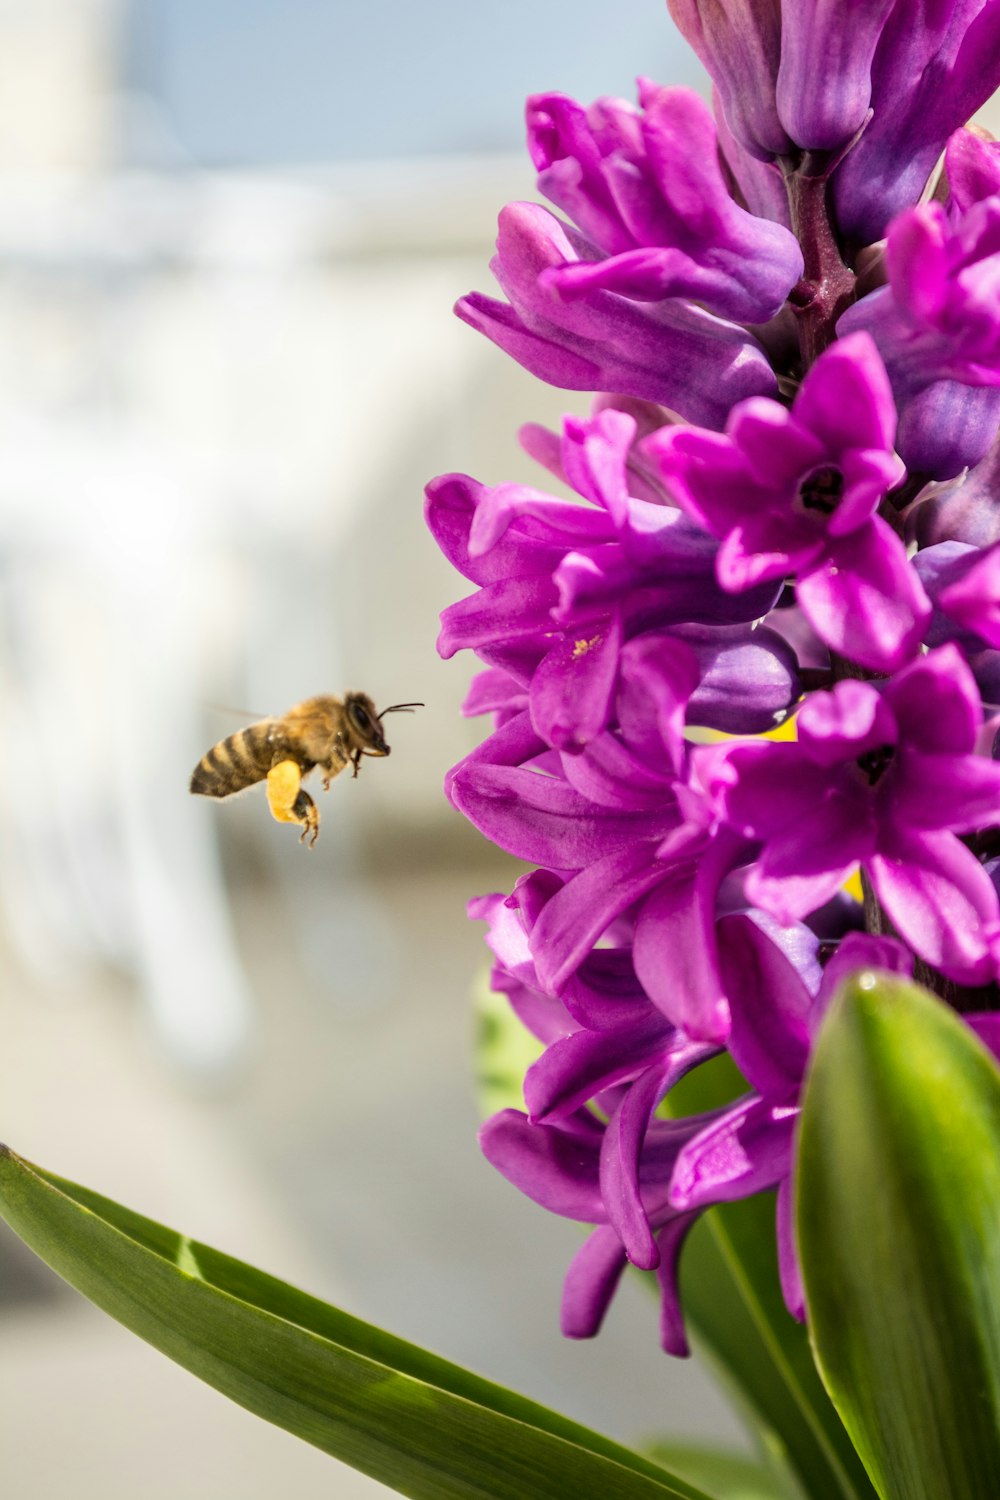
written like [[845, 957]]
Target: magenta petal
[[583, 1064], [744, 1151], [591, 1282], [621, 1151], [610, 774], [846, 723], [770, 1007], [789, 1269], [579, 914], [605, 991], [572, 686], [957, 792], [846, 398], [803, 868], [864, 600], [545, 821], [594, 456], [499, 611], [675, 945], [619, 1167], [974, 600], [986, 1025], [940, 900], [936, 703], [671, 1242], [555, 1166]]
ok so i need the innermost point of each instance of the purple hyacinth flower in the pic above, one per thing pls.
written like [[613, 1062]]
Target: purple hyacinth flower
[[962, 584], [824, 84], [794, 73], [613, 1047], [796, 492], [673, 352], [934, 65], [778, 1003], [739, 42], [971, 595], [564, 587], [609, 819], [937, 327], [886, 777], [967, 510], [646, 186], [559, 1166]]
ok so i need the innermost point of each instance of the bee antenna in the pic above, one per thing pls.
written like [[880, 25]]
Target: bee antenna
[[400, 708]]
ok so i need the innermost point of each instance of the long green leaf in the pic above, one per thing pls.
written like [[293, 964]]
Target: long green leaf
[[425, 1427], [899, 1231], [729, 1475], [732, 1297]]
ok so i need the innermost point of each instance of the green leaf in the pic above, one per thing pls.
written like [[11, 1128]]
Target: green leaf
[[899, 1230], [504, 1050], [732, 1297], [727, 1475], [425, 1427]]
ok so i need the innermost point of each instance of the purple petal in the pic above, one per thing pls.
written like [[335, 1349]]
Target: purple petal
[[578, 1067], [933, 67], [824, 80], [940, 900], [675, 944], [553, 1165], [545, 821], [747, 1149], [770, 1005], [605, 990], [803, 869], [671, 1242], [974, 599], [740, 45], [622, 1149], [672, 353], [610, 774], [986, 1025], [748, 677], [957, 792], [936, 703], [864, 600], [846, 399], [946, 427], [846, 723], [591, 1282], [498, 612], [572, 688], [493, 691], [579, 914], [789, 1269], [594, 456]]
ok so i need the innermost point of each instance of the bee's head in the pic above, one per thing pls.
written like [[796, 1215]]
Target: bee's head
[[363, 728]]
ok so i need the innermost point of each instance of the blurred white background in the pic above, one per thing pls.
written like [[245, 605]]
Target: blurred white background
[[230, 237]]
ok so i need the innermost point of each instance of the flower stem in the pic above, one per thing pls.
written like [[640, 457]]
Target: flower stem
[[827, 286]]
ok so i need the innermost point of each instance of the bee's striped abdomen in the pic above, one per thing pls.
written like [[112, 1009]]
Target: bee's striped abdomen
[[237, 762]]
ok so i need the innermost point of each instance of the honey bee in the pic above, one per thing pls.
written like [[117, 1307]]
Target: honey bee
[[322, 732]]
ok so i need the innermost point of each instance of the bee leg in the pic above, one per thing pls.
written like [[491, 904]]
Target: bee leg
[[356, 762], [340, 754], [289, 803]]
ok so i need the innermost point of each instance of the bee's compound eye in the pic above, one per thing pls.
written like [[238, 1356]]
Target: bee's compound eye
[[359, 718]]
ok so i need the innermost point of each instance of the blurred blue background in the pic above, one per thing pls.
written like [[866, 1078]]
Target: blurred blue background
[[325, 80]]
